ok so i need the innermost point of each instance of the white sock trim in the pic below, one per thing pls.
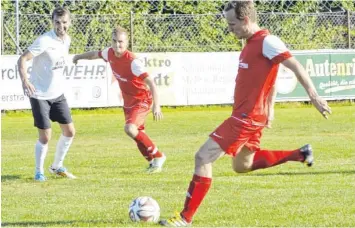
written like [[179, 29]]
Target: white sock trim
[[155, 151]]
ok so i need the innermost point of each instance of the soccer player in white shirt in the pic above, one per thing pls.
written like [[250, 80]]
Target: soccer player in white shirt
[[45, 88]]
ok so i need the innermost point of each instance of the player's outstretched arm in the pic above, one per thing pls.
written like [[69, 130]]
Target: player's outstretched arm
[[87, 55], [303, 77], [157, 114]]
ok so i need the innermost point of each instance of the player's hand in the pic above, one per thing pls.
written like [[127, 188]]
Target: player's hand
[[322, 106], [75, 59], [157, 114], [269, 123], [270, 117], [28, 88]]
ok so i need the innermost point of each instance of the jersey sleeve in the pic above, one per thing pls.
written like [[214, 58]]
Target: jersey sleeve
[[39, 46], [275, 50], [138, 69], [104, 54]]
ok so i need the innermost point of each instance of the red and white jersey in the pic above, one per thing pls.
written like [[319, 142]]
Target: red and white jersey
[[258, 65], [130, 74]]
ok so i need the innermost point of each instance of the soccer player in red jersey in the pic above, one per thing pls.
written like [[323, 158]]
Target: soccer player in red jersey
[[138, 98], [239, 135]]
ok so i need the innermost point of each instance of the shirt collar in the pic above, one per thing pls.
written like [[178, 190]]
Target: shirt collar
[[261, 32]]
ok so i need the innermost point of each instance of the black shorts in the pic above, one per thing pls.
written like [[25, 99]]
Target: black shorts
[[56, 110]]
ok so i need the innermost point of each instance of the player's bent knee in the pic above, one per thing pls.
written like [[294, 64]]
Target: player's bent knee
[[44, 140], [241, 167], [130, 129], [68, 130], [70, 133], [44, 136]]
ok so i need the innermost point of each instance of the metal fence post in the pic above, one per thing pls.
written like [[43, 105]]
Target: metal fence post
[[17, 26], [131, 30], [2, 31], [349, 31]]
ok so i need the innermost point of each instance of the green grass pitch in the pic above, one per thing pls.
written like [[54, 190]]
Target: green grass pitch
[[110, 171]]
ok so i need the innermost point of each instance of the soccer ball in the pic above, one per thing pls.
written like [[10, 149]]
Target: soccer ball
[[144, 209]]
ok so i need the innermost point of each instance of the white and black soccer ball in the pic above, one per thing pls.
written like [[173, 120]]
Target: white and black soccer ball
[[144, 209]]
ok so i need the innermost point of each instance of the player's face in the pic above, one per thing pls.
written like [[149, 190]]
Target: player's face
[[236, 26], [61, 25], [119, 43]]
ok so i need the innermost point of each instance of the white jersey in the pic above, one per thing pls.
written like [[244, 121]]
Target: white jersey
[[50, 53]]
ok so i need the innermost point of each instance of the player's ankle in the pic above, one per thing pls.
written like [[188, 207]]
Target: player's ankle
[[188, 220], [158, 155]]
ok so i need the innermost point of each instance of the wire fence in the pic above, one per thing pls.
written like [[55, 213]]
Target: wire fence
[[184, 32]]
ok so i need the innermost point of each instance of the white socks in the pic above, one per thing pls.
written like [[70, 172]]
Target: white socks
[[40, 154], [62, 150]]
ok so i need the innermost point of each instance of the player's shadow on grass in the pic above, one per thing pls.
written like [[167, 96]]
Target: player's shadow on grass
[[304, 173], [9, 177], [54, 223]]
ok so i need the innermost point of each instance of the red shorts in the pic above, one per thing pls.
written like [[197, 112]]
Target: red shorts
[[136, 115], [233, 134]]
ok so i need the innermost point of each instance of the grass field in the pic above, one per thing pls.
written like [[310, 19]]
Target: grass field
[[110, 172]]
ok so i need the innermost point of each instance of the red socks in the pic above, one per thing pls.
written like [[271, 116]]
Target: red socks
[[144, 151], [147, 147], [267, 158], [199, 186], [197, 191]]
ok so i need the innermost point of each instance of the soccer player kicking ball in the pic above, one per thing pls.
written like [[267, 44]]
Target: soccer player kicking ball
[[45, 88], [133, 80], [239, 135]]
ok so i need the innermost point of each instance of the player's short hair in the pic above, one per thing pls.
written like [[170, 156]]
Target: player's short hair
[[60, 11], [242, 9], [119, 29]]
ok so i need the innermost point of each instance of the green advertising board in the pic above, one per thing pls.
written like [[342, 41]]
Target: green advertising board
[[333, 75]]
